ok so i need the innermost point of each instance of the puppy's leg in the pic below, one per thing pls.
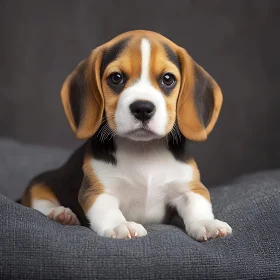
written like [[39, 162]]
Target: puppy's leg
[[107, 219], [195, 209], [103, 212], [41, 198]]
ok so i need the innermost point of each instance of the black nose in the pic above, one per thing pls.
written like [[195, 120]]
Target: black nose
[[142, 110]]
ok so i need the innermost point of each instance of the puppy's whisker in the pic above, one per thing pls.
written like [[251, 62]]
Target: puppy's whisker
[[174, 135], [105, 118], [177, 131], [104, 132]]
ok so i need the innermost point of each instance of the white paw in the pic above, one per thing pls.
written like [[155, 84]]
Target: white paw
[[63, 215], [208, 229], [125, 230]]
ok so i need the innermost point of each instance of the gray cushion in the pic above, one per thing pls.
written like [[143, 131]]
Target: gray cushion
[[33, 247], [20, 162]]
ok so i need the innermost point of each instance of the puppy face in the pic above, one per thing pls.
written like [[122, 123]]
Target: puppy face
[[140, 88], [142, 85]]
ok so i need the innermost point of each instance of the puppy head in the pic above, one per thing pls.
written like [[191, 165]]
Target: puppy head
[[142, 85]]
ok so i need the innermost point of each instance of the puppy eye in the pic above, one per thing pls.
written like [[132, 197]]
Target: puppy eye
[[116, 78], [168, 79]]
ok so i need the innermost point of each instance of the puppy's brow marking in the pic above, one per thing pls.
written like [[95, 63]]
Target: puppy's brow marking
[[112, 53], [145, 53], [172, 56]]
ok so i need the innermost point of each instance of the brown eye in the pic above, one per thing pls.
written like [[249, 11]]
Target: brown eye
[[168, 79], [116, 78]]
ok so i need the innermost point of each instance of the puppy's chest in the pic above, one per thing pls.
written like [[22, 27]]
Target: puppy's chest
[[144, 180]]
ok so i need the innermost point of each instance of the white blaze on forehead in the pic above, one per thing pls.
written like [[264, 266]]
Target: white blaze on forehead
[[146, 54]]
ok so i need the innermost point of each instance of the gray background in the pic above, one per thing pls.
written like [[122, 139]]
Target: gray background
[[237, 42]]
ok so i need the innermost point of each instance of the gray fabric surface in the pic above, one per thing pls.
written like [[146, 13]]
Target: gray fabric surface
[[33, 247], [20, 162]]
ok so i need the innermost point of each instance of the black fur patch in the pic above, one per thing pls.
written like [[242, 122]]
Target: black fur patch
[[77, 92], [111, 54], [179, 146], [65, 182], [103, 146], [204, 98], [172, 56]]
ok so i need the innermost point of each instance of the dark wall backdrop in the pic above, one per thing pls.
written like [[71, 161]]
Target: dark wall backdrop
[[237, 42]]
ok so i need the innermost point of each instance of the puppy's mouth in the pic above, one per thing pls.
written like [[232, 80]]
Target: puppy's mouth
[[141, 134]]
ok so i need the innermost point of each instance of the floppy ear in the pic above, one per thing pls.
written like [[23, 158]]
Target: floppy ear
[[82, 97], [199, 102]]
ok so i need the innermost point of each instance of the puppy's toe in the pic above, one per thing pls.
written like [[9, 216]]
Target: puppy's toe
[[109, 232], [136, 230]]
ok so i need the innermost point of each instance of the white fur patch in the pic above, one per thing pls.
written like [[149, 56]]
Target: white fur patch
[[44, 206], [192, 207], [145, 179], [145, 53], [126, 122]]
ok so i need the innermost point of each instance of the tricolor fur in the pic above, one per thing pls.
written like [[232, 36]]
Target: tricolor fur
[[138, 100]]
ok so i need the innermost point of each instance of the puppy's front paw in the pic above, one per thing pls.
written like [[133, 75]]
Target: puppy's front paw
[[125, 230], [208, 229]]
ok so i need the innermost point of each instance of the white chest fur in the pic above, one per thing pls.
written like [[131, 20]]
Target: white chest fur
[[145, 179]]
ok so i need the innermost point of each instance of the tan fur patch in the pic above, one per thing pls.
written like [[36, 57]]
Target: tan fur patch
[[196, 185], [188, 119], [90, 96], [160, 64], [38, 191], [91, 187]]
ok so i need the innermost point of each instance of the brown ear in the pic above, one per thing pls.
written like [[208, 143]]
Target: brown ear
[[82, 97], [199, 101]]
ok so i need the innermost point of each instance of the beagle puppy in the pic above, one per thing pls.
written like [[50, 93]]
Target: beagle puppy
[[138, 101]]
